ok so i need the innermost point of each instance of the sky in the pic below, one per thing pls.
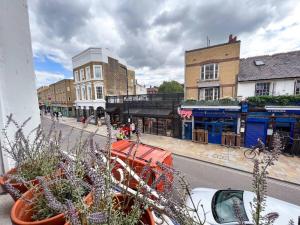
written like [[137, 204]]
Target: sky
[[152, 35]]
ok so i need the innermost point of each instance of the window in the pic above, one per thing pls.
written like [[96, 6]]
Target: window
[[99, 92], [83, 93], [210, 72], [81, 74], [258, 62], [68, 88], [98, 72], [78, 93], [89, 92], [76, 76], [262, 89], [209, 93], [297, 87], [224, 205], [87, 73]]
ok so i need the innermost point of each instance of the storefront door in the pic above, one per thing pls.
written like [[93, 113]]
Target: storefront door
[[188, 131], [214, 133]]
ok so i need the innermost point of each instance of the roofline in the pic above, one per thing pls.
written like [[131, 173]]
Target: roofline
[[275, 54], [86, 50], [280, 78], [213, 46]]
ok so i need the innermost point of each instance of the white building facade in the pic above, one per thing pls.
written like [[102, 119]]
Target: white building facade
[[275, 75], [99, 73], [18, 94]]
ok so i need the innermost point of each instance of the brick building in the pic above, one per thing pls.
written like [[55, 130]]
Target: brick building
[[211, 72], [99, 73], [58, 97]]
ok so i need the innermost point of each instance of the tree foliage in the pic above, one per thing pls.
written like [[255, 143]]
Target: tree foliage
[[170, 87]]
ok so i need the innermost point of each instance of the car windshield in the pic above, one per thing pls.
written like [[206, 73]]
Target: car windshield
[[224, 203]]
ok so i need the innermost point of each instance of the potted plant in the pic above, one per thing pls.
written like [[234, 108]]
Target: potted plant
[[34, 155], [111, 200], [46, 203]]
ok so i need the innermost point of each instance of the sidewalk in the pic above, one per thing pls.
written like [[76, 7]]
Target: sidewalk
[[286, 169]]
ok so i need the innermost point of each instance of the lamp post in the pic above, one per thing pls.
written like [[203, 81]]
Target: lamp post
[[127, 94]]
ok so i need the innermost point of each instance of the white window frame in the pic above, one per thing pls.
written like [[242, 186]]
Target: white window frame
[[81, 73], [297, 86], [96, 94], [83, 92], [78, 93], [215, 71], [263, 94], [94, 72], [76, 76], [89, 92], [87, 73], [214, 96]]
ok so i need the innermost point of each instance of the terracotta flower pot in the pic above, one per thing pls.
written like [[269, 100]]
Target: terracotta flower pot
[[19, 186], [146, 218], [21, 213]]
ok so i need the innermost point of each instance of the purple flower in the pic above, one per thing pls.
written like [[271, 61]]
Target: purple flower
[[98, 217]]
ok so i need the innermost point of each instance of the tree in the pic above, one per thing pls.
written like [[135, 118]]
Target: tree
[[170, 87]]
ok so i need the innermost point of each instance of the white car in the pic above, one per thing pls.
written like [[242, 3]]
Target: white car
[[219, 207]]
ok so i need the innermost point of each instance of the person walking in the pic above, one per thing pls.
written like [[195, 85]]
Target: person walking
[[132, 127]]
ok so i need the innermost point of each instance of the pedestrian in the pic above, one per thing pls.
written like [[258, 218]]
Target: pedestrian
[[132, 127], [99, 123], [56, 115]]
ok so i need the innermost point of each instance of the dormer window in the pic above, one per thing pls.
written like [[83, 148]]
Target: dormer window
[[258, 62], [210, 72]]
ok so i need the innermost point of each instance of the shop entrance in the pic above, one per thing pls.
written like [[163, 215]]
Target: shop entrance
[[214, 133]]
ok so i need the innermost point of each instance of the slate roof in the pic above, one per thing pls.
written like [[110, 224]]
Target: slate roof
[[277, 66]]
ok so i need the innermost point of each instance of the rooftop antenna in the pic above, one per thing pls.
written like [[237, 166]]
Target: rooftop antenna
[[207, 41]]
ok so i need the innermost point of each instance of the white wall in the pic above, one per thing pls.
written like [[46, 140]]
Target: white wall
[[140, 89], [279, 87], [17, 79]]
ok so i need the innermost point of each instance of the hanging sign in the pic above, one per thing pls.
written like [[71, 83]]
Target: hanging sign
[[185, 114]]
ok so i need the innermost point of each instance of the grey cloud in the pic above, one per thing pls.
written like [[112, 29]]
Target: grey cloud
[[151, 34], [62, 18]]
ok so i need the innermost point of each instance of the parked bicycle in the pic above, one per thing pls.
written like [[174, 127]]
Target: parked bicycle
[[255, 150]]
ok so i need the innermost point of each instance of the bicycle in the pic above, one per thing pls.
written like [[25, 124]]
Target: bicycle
[[250, 153]]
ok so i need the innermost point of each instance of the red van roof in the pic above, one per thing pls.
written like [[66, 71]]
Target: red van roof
[[143, 154]]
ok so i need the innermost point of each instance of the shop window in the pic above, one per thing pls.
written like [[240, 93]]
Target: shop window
[[209, 72], [297, 87], [262, 89]]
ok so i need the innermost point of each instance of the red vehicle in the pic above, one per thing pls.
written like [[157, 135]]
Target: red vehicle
[[139, 158]]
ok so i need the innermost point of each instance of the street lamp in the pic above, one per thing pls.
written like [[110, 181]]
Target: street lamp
[[127, 90]]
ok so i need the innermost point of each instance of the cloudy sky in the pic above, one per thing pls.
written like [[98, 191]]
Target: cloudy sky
[[152, 35]]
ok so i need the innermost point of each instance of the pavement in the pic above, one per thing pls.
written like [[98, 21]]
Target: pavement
[[286, 169]]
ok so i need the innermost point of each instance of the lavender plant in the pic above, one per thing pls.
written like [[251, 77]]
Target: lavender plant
[[34, 154], [259, 185]]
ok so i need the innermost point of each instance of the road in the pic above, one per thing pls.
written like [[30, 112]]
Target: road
[[199, 174]]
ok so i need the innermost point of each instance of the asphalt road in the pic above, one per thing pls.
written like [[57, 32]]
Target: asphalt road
[[198, 174]]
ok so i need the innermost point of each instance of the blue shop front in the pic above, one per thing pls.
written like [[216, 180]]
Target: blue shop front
[[214, 120], [283, 120]]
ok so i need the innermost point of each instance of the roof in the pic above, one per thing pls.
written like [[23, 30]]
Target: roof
[[267, 67], [213, 46], [149, 112]]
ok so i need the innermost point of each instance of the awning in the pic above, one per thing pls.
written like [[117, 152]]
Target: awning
[[149, 112], [112, 109]]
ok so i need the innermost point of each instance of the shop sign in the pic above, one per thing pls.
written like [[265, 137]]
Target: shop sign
[[185, 114]]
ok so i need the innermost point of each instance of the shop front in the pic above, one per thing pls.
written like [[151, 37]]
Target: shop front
[[282, 120], [211, 124], [155, 121], [217, 123]]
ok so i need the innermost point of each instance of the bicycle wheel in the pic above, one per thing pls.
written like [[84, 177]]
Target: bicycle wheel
[[250, 154]]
